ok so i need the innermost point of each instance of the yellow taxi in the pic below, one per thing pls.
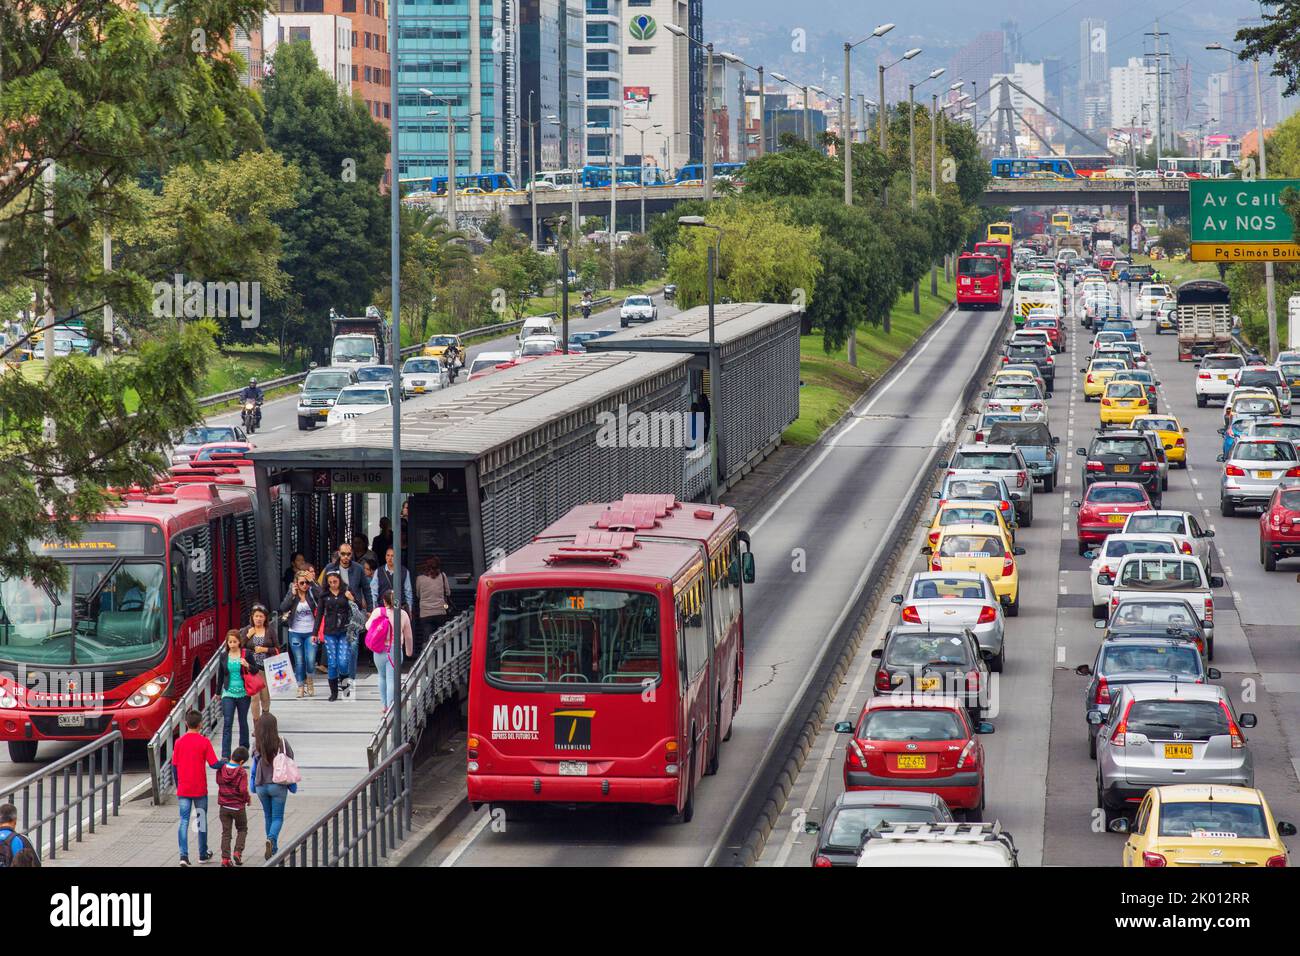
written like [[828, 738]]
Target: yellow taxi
[[1172, 435], [1097, 374], [439, 345], [1204, 825], [980, 547], [1121, 402], [1015, 376], [971, 511], [1250, 402]]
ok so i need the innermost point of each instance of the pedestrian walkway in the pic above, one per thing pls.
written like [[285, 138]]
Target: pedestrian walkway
[[329, 743]]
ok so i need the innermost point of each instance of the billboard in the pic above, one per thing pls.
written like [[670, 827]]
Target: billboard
[[636, 100], [1237, 220]]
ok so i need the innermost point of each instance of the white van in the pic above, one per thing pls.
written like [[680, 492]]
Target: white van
[[535, 325], [939, 844]]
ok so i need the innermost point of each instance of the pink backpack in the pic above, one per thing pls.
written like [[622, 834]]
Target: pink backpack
[[379, 634]]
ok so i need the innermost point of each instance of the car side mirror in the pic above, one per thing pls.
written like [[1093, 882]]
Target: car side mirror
[[1081, 451], [1219, 458], [1213, 673], [1090, 555], [844, 727], [984, 394], [1099, 625], [1095, 717], [896, 599], [984, 727], [1077, 503], [1216, 581], [1208, 533], [1048, 395], [1083, 370], [1247, 720], [1017, 551], [1186, 430], [1221, 431], [941, 463], [1118, 825], [1285, 829], [927, 550], [810, 827], [970, 428], [935, 494], [1084, 670], [1056, 439], [877, 652]]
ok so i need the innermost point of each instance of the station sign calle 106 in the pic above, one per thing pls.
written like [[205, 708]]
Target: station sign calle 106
[[1241, 221]]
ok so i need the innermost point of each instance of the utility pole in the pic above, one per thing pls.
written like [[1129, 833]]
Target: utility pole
[[1156, 34], [934, 181], [708, 122], [846, 130], [762, 114], [532, 168], [1270, 290]]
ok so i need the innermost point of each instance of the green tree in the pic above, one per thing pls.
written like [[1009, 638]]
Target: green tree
[[1278, 37]]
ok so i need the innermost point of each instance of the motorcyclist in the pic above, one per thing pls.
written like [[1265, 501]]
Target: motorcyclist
[[253, 393], [586, 305]]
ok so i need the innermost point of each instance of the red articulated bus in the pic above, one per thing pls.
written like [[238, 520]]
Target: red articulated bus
[[608, 657], [1003, 251], [979, 281], [152, 587]]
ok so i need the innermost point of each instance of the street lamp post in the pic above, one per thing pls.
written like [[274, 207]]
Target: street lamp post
[[732, 58], [910, 54], [715, 364], [395, 291], [532, 125], [911, 161], [451, 152], [1270, 291], [847, 106], [642, 130]]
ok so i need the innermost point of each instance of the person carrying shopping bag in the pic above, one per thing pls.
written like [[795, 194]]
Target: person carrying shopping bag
[[260, 640], [275, 776], [240, 677], [379, 641], [300, 616]]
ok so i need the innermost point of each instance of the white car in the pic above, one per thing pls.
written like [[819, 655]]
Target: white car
[[1119, 172], [536, 345], [1214, 376], [487, 361], [357, 400], [637, 308], [1182, 526], [1105, 560], [421, 375]]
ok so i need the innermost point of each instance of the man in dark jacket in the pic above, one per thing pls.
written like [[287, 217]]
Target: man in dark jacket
[[348, 565]]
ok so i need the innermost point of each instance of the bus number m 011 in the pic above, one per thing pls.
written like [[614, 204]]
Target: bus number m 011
[[518, 722]]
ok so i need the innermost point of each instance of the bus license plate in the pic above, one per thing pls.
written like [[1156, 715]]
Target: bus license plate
[[573, 768], [1178, 751], [72, 720]]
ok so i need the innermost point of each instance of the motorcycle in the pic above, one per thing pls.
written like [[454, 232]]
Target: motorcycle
[[586, 310], [252, 416]]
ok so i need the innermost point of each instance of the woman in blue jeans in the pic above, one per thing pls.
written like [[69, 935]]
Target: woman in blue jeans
[[335, 613], [300, 614], [267, 742], [233, 667]]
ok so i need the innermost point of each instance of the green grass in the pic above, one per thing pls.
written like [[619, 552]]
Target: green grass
[[1179, 272], [831, 384]]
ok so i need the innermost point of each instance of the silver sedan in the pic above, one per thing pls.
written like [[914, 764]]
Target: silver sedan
[[1253, 468], [952, 598]]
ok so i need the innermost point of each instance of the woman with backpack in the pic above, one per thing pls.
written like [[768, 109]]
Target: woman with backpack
[[433, 599], [379, 641], [240, 676], [275, 776], [259, 639], [335, 613]]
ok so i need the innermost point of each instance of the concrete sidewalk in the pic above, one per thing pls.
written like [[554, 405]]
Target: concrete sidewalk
[[329, 743]]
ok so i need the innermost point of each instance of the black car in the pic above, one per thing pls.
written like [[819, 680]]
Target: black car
[[839, 836], [1039, 355], [1141, 273], [1162, 617], [919, 659], [1125, 456]]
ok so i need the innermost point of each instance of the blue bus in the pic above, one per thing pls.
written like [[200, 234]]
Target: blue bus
[[594, 177], [437, 185], [1038, 167], [694, 172]]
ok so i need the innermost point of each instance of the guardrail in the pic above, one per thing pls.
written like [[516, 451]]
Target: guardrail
[[204, 695], [407, 352], [439, 671], [52, 798], [365, 826]]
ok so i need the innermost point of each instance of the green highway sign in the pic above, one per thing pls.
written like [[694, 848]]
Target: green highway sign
[[1232, 214]]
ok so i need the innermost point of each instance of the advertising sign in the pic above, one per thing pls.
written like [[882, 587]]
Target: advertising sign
[[636, 100]]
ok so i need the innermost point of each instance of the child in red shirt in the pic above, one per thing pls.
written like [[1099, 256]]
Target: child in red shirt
[[233, 800]]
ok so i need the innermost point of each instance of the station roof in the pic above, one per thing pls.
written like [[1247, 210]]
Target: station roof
[[689, 331]]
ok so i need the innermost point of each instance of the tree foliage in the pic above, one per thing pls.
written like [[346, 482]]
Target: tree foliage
[[1278, 37]]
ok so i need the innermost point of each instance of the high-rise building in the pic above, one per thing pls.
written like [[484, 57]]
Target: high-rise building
[[369, 66], [604, 71], [727, 90], [551, 40], [978, 60], [330, 37], [1094, 66], [1054, 82], [657, 70], [1133, 92], [1012, 46]]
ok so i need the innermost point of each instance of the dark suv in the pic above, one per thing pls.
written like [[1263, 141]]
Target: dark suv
[[1125, 456], [1037, 354]]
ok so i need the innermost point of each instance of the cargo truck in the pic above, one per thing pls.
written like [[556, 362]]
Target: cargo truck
[[359, 340], [1204, 319]]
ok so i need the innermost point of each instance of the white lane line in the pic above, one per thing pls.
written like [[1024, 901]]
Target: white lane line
[[1200, 497], [1236, 597], [857, 417], [484, 819]]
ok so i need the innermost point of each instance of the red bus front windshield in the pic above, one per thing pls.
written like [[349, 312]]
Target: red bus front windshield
[[978, 267], [573, 639], [111, 609]]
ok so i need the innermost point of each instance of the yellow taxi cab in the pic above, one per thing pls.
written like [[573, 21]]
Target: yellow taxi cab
[[1097, 374], [980, 547], [1172, 435], [439, 345], [971, 511], [1016, 376], [1250, 402], [1121, 402], [1204, 825]]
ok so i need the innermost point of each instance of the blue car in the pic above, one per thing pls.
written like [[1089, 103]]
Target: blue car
[[1120, 325]]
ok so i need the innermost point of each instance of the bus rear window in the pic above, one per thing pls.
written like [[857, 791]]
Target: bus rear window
[[572, 637]]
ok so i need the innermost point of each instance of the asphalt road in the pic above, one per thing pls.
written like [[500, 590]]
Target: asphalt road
[[811, 547], [1041, 782], [281, 413]]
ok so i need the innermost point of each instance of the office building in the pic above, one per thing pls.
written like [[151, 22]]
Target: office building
[[330, 37], [1094, 78], [977, 60], [603, 47], [728, 91], [657, 78], [551, 41], [369, 67]]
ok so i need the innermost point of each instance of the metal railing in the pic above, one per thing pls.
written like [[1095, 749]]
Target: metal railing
[[52, 799], [438, 673], [204, 695], [365, 826]]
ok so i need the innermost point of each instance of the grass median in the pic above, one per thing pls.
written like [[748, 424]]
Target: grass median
[[830, 384]]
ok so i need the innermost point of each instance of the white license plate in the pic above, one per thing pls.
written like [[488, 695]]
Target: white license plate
[[72, 720], [573, 768]]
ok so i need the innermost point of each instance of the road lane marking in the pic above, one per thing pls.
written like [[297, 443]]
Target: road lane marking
[[484, 819]]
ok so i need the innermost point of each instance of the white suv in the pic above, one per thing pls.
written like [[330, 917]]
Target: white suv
[[938, 844], [637, 308], [1214, 376]]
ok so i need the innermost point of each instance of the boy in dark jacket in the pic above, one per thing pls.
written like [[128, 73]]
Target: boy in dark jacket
[[233, 800]]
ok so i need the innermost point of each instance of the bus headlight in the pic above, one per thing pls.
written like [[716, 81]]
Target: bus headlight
[[7, 700], [146, 694]]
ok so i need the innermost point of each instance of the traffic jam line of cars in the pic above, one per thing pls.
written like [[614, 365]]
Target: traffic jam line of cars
[[1174, 770]]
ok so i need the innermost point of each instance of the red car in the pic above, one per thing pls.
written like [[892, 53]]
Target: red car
[[1279, 526], [1053, 327], [924, 743], [1105, 507]]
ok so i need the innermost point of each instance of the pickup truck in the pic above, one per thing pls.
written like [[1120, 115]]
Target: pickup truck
[[1168, 576]]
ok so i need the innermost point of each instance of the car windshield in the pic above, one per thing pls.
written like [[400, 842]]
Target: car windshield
[[1154, 614], [1290, 500], [1244, 821], [1254, 406], [991, 460], [573, 637], [1044, 324], [440, 340], [353, 349], [1222, 361], [1277, 430], [1106, 365], [1263, 451], [1189, 719], [638, 300], [1259, 377], [325, 379], [1035, 284], [911, 724], [1292, 372], [975, 490], [1155, 524], [970, 546], [1130, 375], [1160, 572], [917, 649], [202, 435], [1026, 350], [1156, 424], [971, 515], [851, 822], [1120, 446], [977, 267], [1104, 495], [1124, 390], [375, 373], [539, 345], [933, 588], [364, 396], [1127, 657], [1031, 434], [1016, 391], [1118, 547], [421, 367]]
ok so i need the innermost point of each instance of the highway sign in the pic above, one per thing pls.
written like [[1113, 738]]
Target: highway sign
[[1238, 221]]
